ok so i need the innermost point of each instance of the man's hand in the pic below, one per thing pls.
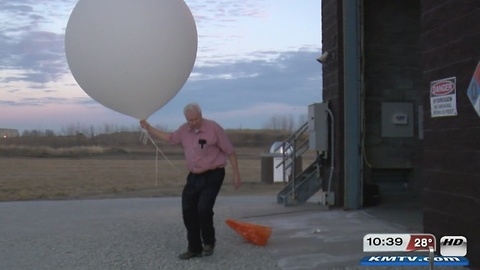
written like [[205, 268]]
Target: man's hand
[[144, 124], [154, 131], [237, 182]]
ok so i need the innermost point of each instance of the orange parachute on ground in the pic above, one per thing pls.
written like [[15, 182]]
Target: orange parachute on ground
[[257, 234]]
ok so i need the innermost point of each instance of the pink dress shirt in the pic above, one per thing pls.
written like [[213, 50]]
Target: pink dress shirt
[[206, 148]]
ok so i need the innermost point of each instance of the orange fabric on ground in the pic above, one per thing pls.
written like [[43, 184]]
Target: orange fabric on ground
[[257, 234]]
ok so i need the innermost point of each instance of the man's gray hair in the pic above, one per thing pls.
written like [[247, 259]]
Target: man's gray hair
[[192, 107]]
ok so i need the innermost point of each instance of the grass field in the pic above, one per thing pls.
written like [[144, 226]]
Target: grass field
[[107, 177], [51, 178], [117, 166]]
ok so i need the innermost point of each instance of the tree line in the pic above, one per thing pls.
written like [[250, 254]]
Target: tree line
[[276, 122]]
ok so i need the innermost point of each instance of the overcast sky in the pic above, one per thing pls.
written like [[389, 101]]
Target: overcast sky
[[255, 60]]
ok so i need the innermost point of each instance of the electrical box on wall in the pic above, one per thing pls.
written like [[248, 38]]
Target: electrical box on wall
[[397, 119], [318, 127]]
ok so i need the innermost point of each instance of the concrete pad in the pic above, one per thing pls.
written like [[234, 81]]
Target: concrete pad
[[148, 233]]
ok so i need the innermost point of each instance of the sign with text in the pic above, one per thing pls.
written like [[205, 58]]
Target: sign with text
[[474, 88], [443, 97]]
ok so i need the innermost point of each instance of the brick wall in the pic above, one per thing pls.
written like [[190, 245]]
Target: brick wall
[[450, 48], [392, 74], [332, 41]]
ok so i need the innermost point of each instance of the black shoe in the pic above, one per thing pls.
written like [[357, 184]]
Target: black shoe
[[208, 250], [188, 255]]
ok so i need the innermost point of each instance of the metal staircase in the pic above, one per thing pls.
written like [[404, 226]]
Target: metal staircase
[[302, 185]]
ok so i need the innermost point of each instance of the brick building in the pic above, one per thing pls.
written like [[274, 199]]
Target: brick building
[[385, 59]]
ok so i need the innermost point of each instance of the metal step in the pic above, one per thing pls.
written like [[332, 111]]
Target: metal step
[[302, 188], [305, 184]]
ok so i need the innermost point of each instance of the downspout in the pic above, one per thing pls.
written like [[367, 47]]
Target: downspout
[[352, 101]]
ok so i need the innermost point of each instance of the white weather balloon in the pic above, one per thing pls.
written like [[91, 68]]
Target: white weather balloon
[[132, 56]]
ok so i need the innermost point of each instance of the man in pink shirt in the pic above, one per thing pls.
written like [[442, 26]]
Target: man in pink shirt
[[206, 148]]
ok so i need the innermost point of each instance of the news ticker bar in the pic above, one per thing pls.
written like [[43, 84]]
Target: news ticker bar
[[406, 242], [398, 242], [413, 261]]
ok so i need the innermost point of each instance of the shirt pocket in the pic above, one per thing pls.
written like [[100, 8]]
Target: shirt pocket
[[205, 145]]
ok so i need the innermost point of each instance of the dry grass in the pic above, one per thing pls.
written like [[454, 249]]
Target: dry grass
[[73, 168], [51, 151], [60, 178]]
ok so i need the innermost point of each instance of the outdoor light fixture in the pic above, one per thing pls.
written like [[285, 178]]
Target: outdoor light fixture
[[322, 58]]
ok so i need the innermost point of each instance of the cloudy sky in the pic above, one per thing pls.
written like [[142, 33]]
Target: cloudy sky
[[255, 60]]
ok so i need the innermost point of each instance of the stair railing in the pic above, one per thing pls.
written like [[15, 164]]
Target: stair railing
[[292, 148]]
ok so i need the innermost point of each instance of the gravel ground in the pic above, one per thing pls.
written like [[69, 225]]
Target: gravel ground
[[114, 234], [148, 233]]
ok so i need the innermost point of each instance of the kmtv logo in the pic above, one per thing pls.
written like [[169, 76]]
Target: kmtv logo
[[453, 246]]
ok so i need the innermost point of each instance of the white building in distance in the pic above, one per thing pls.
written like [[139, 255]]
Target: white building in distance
[[9, 133]]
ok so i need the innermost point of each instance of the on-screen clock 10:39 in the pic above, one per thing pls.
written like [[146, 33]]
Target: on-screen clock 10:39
[[398, 242]]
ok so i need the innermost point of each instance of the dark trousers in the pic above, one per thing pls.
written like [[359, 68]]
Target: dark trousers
[[198, 199]]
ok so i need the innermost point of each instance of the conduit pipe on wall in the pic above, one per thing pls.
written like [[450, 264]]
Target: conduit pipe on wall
[[352, 101]]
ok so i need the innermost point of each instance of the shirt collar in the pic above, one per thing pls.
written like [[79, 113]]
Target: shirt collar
[[201, 129]]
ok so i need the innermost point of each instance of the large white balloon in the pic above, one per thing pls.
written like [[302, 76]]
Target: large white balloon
[[132, 56]]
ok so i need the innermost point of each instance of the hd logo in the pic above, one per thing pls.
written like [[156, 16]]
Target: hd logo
[[453, 246]]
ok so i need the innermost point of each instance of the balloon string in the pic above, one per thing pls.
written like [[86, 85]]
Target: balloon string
[[144, 137]]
